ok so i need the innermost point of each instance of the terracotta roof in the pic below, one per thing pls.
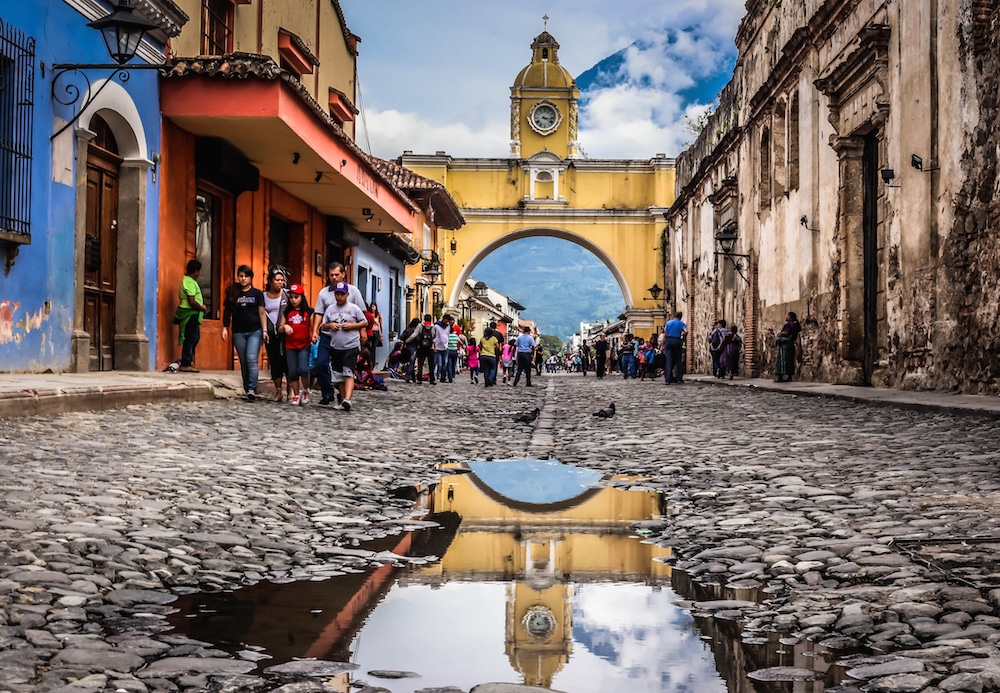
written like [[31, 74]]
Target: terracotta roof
[[351, 39], [433, 197], [256, 66]]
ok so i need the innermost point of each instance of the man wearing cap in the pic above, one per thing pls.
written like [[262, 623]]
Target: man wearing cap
[[325, 299], [340, 328], [335, 273]]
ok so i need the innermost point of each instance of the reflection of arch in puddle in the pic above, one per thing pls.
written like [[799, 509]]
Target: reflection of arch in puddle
[[533, 493], [554, 487]]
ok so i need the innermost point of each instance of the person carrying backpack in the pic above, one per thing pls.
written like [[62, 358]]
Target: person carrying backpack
[[423, 338]]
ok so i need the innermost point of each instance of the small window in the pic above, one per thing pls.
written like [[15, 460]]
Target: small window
[[17, 69], [793, 143], [765, 169], [217, 17]]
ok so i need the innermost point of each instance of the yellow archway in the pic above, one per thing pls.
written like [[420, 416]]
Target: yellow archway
[[547, 186], [465, 268]]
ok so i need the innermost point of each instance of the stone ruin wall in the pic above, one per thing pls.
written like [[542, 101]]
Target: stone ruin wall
[[967, 354]]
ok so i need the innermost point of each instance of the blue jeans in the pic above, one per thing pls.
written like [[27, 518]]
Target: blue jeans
[[452, 364], [322, 368], [298, 363], [628, 366], [248, 347], [441, 365], [488, 364]]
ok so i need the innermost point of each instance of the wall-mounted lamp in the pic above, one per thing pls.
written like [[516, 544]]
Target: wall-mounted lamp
[[366, 212], [408, 292], [918, 163], [122, 31], [156, 158], [655, 291], [804, 221], [319, 176], [295, 158], [888, 175], [726, 241], [453, 245]]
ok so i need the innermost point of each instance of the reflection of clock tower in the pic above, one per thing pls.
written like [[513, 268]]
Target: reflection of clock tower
[[543, 105]]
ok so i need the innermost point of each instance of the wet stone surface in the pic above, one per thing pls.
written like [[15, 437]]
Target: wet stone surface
[[106, 517]]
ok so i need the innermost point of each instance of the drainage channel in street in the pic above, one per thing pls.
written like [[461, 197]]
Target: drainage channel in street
[[534, 577]]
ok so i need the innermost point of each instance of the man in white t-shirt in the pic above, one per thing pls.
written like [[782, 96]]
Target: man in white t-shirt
[[340, 327]]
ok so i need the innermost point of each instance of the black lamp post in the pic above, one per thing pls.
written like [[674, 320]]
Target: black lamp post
[[726, 241], [122, 31]]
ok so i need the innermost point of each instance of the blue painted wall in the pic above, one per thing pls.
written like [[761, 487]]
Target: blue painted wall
[[372, 262], [39, 290]]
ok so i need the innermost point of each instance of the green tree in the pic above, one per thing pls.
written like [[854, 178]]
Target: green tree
[[551, 343]]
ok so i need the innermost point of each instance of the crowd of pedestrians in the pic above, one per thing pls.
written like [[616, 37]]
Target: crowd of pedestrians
[[330, 347]]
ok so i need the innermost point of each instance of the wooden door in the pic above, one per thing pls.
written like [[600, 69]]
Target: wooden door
[[101, 250]]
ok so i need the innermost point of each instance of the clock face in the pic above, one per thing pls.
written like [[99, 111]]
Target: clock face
[[545, 117]]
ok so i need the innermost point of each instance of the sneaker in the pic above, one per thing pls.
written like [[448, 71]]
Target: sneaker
[[340, 398], [304, 397], [325, 401], [295, 399], [188, 369], [251, 396], [346, 405]]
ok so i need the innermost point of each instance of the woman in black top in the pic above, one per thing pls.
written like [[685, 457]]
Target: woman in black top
[[244, 310]]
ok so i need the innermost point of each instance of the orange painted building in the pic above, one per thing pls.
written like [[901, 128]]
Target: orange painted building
[[259, 165]]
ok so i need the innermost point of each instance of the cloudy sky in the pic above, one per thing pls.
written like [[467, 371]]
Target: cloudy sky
[[436, 74]]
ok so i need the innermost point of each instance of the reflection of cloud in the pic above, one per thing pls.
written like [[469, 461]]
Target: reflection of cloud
[[635, 628]]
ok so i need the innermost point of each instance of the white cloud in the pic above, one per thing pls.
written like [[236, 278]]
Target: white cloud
[[392, 132], [436, 74]]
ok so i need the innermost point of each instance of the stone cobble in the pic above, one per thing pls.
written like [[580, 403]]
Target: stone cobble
[[106, 516]]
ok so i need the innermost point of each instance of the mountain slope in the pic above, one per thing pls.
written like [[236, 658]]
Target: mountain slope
[[557, 297]]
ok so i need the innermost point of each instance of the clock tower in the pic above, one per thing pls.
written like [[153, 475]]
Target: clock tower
[[543, 105]]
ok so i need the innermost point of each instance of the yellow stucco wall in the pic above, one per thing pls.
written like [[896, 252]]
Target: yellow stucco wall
[[256, 28]]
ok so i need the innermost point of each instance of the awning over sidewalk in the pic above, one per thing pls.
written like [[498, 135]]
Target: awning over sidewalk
[[264, 112]]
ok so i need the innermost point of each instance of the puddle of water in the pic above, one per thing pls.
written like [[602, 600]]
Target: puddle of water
[[738, 652], [539, 582]]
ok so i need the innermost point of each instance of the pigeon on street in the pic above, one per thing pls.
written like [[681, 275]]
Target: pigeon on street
[[528, 416], [607, 412]]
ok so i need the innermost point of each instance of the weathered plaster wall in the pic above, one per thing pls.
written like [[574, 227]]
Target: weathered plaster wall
[[917, 79]]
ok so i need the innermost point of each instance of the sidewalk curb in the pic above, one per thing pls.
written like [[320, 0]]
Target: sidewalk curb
[[970, 405], [74, 399]]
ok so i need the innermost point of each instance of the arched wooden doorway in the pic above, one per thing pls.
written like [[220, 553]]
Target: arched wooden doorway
[[101, 245]]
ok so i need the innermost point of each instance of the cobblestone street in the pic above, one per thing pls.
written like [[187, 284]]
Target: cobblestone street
[[103, 515]]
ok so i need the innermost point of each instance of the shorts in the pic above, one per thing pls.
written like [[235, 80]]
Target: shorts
[[342, 364]]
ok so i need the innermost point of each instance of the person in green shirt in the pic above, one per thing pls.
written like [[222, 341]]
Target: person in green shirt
[[190, 312]]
